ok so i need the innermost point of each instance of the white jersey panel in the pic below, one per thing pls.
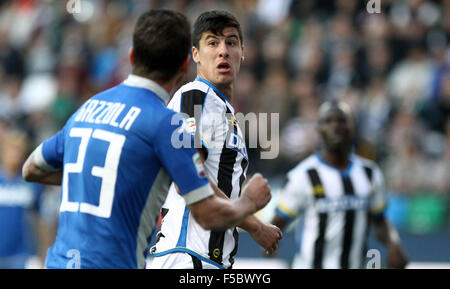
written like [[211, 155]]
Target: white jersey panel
[[336, 205]]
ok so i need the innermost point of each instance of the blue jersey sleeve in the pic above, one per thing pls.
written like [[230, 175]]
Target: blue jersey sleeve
[[181, 159], [53, 150]]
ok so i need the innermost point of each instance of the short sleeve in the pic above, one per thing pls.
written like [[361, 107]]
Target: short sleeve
[[293, 198], [191, 104], [50, 154], [175, 150]]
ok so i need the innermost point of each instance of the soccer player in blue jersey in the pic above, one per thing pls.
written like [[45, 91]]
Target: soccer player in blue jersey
[[115, 160]]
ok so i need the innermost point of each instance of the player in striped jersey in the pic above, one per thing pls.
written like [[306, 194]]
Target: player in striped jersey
[[340, 194], [182, 243], [115, 160]]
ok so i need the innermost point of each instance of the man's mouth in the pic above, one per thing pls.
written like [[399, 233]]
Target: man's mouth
[[224, 67]]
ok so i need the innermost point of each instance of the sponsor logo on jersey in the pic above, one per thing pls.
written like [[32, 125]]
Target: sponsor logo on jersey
[[235, 142], [190, 125], [343, 203]]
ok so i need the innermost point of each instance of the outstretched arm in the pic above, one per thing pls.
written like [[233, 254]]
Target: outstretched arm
[[218, 214]]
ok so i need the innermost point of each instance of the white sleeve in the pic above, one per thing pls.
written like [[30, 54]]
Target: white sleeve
[[293, 198]]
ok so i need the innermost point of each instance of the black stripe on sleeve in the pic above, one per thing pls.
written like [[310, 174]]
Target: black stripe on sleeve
[[369, 173], [319, 244], [192, 102], [191, 98]]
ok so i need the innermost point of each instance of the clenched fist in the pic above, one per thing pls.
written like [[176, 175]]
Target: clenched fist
[[258, 191]]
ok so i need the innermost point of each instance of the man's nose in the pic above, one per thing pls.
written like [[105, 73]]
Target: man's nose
[[337, 125], [223, 50]]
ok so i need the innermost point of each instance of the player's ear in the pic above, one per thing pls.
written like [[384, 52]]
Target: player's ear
[[242, 57], [195, 55], [131, 55]]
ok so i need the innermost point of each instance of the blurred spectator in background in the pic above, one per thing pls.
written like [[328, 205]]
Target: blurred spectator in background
[[27, 223], [298, 137]]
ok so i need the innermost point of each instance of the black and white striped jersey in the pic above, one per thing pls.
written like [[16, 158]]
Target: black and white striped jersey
[[337, 206], [216, 129]]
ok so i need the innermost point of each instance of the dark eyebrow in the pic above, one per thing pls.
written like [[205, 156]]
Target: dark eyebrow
[[232, 36], [216, 37], [211, 36]]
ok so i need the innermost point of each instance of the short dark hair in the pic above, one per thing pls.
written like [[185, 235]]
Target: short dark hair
[[214, 21], [161, 42]]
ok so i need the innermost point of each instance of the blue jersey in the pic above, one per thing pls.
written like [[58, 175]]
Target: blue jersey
[[118, 159], [16, 198]]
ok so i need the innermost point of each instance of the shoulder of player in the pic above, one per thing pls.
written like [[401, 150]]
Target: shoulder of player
[[306, 164], [191, 88], [199, 88], [194, 91], [195, 85], [197, 93], [365, 162]]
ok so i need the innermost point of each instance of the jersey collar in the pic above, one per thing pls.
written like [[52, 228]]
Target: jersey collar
[[142, 82], [345, 172], [216, 90]]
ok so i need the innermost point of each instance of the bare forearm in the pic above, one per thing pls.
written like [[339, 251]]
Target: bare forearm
[[32, 173], [250, 223], [385, 232], [279, 222], [53, 179], [218, 214]]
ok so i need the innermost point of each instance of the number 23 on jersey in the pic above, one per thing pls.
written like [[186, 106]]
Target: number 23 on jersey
[[107, 173]]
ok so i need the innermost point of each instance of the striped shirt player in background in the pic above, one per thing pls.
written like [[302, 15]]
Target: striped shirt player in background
[[340, 194], [117, 160], [182, 243]]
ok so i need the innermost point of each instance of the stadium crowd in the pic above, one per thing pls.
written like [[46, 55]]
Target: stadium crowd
[[391, 67]]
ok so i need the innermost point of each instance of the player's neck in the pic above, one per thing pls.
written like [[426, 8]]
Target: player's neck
[[339, 160], [227, 90], [167, 85]]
